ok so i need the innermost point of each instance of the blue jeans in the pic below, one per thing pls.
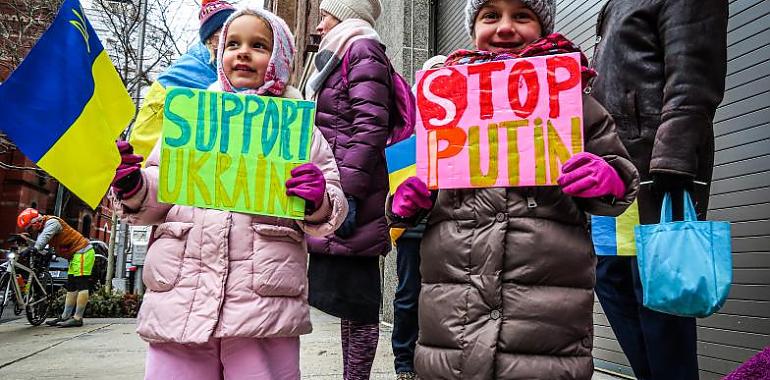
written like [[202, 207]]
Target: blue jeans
[[405, 328], [659, 346]]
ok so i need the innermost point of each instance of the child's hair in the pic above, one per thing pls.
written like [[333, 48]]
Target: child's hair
[[279, 68], [544, 9]]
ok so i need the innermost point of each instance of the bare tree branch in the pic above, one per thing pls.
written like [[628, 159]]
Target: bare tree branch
[[21, 24]]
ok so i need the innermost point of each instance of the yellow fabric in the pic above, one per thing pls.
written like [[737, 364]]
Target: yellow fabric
[[149, 121], [82, 263], [624, 235], [396, 233], [84, 158], [397, 177]]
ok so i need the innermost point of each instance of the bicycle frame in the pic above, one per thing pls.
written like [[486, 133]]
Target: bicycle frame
[[22, 300]]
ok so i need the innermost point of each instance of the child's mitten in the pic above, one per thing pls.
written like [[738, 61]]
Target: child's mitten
[[128, 176], [308, 183], [587, 175], [410, 197]]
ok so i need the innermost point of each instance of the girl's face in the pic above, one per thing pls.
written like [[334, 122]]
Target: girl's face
[[247, 52], [505, 25], [328, 22]]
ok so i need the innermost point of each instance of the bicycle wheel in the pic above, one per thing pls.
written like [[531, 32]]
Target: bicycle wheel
[[5, 291], [39, 298]]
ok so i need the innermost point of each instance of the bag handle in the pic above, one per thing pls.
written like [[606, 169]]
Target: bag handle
[[689, 209]]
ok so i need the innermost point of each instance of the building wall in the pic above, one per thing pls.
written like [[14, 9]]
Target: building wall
[[302, 16]]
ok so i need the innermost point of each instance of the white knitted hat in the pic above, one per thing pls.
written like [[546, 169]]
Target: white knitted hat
[[367, 10], [433, 61], [544, 9]]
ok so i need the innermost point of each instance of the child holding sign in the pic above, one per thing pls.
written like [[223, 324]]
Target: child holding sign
[[227, 292], [508, 272]]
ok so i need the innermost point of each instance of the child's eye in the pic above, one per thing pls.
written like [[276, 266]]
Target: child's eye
[[231, 44], [259, 45], [491, 15], [522, 16]]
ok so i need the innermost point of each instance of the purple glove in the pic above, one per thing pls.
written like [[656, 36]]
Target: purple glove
[[128, 179], [410, 197], [587, 175], [308, 183]]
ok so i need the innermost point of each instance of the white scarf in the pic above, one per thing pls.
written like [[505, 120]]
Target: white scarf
[[332, 51]]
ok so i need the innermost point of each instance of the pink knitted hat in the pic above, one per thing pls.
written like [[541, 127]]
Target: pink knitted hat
[[278, 69], [212, 15]]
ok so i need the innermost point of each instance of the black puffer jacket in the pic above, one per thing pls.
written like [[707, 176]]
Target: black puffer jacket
[[661, 66]]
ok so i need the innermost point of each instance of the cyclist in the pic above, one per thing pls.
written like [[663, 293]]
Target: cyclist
[[70, 245]]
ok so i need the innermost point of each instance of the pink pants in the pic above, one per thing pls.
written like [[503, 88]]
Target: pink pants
[[227, 358]]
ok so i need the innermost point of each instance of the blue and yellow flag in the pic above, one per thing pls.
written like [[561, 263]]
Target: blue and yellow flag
[[402, 161], [615, 236], [65, 105], [402, 164]]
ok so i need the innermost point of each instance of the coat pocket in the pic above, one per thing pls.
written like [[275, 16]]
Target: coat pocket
[[163, 265], [285, 281], [273, 232], [277, 269]]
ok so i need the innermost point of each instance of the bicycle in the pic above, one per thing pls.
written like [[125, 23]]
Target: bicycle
[[38, 290]]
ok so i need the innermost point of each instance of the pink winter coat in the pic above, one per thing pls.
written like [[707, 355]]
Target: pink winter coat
[[212, 273]]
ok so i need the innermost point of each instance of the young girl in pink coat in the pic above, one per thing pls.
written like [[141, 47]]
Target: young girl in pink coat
[[227, 292]]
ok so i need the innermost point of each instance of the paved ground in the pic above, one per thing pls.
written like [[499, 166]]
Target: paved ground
[[109, 349]]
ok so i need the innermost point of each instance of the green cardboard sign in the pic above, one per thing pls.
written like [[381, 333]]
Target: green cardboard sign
[[233, 152]]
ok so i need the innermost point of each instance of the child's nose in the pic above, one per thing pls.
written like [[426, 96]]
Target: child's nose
[[506, 27]]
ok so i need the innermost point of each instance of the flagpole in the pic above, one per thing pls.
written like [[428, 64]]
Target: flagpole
[[139, 66]]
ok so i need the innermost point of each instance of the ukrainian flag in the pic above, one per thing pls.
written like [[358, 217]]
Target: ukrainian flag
[[402, 164], [402, 161], [615, 236], [65, 106]]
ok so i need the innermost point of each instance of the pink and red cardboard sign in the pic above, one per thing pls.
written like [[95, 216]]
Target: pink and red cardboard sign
[[499, 124]]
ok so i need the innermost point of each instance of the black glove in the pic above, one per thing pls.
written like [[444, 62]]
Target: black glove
[[671, 183], [348, 226], [29, 251]]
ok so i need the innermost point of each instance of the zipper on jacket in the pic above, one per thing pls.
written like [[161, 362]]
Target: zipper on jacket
[[530, 197], [531, 202]]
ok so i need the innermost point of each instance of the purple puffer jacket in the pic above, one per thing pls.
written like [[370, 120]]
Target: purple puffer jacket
[[354, 119]]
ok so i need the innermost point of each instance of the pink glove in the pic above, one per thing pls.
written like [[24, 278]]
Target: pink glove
[[308, 183], [587, 175], [128, 179], [410, 197]]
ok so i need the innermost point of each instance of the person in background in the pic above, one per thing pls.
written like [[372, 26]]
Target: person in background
[[71, 245], [407, 242], [661, 67], [354, 92], [194, 69]]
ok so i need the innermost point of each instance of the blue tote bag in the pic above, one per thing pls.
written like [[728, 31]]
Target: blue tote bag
[[685, 267]]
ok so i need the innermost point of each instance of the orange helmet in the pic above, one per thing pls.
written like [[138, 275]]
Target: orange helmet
[[27, 217]]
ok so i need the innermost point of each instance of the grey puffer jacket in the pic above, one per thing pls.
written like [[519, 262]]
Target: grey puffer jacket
[[354, 116], [662, 66], [508, 275]]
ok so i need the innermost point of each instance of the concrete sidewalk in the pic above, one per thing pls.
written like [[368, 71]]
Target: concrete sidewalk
[[109, 349]]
